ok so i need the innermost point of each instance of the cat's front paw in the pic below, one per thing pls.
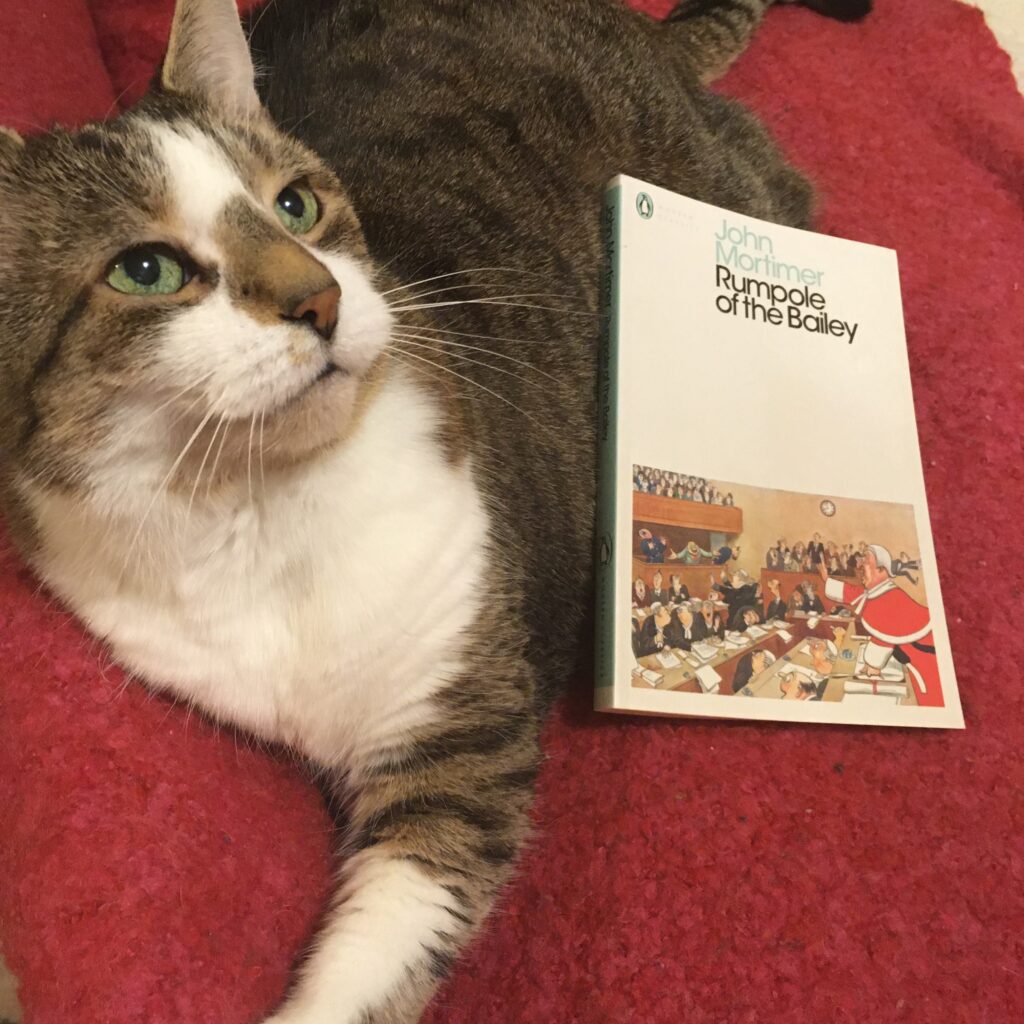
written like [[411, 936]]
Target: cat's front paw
[[283, 1017], [300, 1015], [342, 1015]]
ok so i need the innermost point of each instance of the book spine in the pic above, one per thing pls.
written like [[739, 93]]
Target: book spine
[[608, 455]]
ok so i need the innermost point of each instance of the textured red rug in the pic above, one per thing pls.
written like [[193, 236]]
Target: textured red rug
[[155, 870]]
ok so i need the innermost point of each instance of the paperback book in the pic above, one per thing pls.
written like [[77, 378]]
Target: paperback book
[[764, 543]]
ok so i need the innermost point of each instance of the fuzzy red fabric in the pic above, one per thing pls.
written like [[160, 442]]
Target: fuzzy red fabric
[[156, 870]]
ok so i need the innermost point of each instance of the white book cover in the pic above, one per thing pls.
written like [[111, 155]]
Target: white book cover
[[759, 448]]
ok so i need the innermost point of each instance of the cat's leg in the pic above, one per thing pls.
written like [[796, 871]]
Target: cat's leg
[[715, 32], [436, 828]]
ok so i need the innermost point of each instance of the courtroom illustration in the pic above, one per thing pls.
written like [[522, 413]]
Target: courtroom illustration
[[766, 594]]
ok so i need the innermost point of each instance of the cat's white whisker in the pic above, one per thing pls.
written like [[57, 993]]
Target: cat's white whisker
[[399, 303], [159, 492], [470, 334], [456, 273], [477, 384], [495, 302], [477, 348], [408, 340], [178, 394], [248, 457], [415, 369], [216, 459], [416, 296], [263, 475], [199, 474]]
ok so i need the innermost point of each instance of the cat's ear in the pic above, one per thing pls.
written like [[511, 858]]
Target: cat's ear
[[208, 57], [11, 145]]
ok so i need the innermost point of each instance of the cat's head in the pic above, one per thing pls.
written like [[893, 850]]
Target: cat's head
[[182, 268]]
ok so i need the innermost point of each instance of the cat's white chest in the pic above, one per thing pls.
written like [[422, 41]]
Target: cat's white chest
[[325, 612]]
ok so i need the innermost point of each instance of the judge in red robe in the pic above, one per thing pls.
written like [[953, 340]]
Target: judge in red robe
[[898, 626]]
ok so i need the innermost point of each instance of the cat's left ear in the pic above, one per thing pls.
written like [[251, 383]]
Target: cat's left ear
[[208, 57]]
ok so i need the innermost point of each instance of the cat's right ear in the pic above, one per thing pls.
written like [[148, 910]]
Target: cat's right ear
[[11, 145], [208, 57]]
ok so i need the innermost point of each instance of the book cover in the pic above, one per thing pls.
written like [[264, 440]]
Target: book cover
[[764, 547]]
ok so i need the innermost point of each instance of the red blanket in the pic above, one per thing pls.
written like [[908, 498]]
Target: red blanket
[[155, 870]]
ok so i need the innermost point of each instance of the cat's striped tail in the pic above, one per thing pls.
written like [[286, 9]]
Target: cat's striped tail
[[715, 32]]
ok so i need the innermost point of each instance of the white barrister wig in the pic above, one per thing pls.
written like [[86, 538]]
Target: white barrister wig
[[882, 557]]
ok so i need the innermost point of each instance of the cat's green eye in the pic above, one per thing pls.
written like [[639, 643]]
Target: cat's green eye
[[146, 270], [297, 208]]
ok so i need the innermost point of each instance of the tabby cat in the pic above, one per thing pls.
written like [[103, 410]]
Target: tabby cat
[[297, 400]]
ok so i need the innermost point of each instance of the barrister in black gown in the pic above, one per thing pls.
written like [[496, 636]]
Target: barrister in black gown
[[658, 593], [816, 550], [812, 603], [749, 665], [737, 596], [652, 633], [710, 622], [677, 591], [776, 608], [744, 617], [700, 628], [681, 632]]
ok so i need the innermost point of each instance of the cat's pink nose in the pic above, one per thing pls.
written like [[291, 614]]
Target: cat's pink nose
[[319, 310]]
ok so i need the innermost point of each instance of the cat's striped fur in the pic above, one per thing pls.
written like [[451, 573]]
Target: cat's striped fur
[[463, 145]]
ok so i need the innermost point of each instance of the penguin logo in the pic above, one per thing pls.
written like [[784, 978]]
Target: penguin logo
[[604, 550], [645, 205]]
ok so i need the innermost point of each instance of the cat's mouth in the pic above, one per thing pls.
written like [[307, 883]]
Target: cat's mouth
[[322, 383], [330, 368]]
